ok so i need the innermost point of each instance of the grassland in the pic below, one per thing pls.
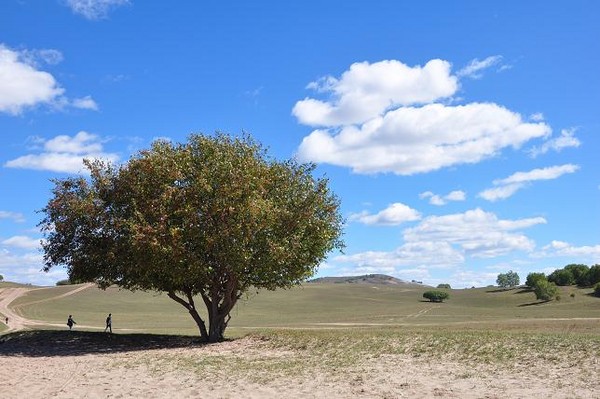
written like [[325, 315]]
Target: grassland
[[318, 340], [317, 306]]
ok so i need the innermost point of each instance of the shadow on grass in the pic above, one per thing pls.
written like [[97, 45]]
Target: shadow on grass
[[533, 303], [38, 343]]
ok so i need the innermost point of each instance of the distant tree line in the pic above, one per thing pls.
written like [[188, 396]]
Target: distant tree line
[[546, 287]]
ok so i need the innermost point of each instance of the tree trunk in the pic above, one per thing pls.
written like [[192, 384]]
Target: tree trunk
[[218, 316], [190, 306]]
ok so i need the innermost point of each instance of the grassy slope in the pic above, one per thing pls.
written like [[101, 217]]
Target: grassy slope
[[315, 305]]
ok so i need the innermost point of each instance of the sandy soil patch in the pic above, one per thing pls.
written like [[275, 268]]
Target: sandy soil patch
[[252, 368]]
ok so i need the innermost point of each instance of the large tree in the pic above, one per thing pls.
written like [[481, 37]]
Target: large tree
[[509, 279], [210, 218]]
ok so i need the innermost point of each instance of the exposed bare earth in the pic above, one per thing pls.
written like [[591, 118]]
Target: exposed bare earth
[[92, 365]]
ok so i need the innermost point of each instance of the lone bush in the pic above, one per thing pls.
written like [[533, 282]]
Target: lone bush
[[597, 290], [436, 296], [533, 278], [445, 286], [545, 290]]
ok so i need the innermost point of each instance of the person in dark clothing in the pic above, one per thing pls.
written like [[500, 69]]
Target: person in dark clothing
[[108, 323], [70, 322], [7, 321]]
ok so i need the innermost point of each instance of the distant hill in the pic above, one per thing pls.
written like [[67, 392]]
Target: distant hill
[[378, 279]]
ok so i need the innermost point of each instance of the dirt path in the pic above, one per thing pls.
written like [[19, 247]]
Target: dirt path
[[15, 320]]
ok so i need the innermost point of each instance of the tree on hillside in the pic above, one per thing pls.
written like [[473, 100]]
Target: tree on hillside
[[562, 277], [436, 296], [545, 290], [533, 278], [508, 280], [593, 275], [213, 217], [597, 290], [580, 274], [445, 286]]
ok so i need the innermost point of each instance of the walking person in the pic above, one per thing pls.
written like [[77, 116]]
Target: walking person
[[108, 323], [70, 322]]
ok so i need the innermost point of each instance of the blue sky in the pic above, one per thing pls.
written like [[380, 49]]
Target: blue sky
[[461, 137]]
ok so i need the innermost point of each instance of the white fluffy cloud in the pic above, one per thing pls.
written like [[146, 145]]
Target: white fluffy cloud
[[476, 233], [386, 117], [510, 185], [435, 199], [584, 253], [565, 140], [367, 90], [447, 242], [94, 9], [22, 85], [413, 254], [65, 154], [23, 242], [395, 214], [411, 140], [26, 268]]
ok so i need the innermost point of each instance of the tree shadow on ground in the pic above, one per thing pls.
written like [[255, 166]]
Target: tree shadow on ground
[[38, 343], [533, 303]]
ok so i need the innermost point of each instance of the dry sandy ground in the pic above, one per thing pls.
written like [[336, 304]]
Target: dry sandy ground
[[233, 370], [69, 367]]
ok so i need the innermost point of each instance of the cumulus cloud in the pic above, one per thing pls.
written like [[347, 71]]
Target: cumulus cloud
[[510, 185], [477, 233], [22, 242], [25, 267], [556, 248], [24, 85], [390, 117], [474, 69], [565, 140], [446, 242], [94, 9], [367, 90], [15, 216], [435, 199], [64, 154], [395, 214], [411, 140], [424, 254]]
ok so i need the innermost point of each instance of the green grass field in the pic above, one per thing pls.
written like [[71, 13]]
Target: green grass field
[[326, 306]]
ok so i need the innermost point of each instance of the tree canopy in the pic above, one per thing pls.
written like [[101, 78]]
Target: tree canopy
[[436, 296], [213, 217], [508, 279]]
